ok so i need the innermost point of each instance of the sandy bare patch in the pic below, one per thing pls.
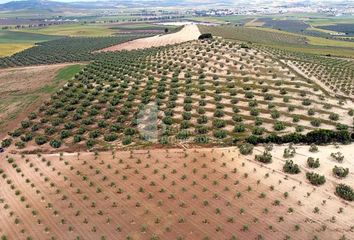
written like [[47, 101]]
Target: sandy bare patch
[[26, 79], [19, 92], [188, 33]]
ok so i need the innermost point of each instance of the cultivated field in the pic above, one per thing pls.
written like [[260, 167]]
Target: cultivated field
[[334, 74], [62, 50], [299, 43], [213, 92], [73, 30], [13, 42], [171, 137], [164, 194]]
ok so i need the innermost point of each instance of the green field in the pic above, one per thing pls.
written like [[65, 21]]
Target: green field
[[315, 40], [257, 35], [283, 40], [88, 30], [46, 13], [23, 37], [330, 20], [140, 26], [12, 42]]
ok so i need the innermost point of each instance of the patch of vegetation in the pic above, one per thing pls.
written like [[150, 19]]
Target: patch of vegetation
[[315, 178], [313, 163], [291, 167], [205, 36], [265, 157], [246, 149], [340, 172], [71, 49], [345, 192]]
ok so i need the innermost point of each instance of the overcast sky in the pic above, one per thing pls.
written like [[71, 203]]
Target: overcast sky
[[5, 1]]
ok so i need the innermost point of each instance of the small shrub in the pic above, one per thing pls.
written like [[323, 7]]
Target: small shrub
[[279, 126], [239, 128], [313, 148], [220, 134], [312, 163], [345, 192], [289, 152], [291, 167], [340, 172], [315, 178], [338, 156], [78, 138], [334, 116], [316, 122], [201, 139], [306, 102], [6, 142], [20, 144], [65, 134], [258, 130], [219, 123], [40, 140], [110, 137], [254, 112], [90, 143], [167, 120], [246, 148], [265, 157], [55, 143], [127, 140]]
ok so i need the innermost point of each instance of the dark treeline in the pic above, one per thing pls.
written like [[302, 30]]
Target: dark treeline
[[320, 136]]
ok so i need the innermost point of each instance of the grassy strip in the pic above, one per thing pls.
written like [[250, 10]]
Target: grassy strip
[[20, 102]]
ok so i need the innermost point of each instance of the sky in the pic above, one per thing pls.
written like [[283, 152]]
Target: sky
[[5, 1]]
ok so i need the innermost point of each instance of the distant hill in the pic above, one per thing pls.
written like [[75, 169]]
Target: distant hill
[[32, 4], [109, 4]]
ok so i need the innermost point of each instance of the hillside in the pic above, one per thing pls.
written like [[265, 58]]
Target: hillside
[[199, 92], [57, 6], [330, 66], [172, 137]]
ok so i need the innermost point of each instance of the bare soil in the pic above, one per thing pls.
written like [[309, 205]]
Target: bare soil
[[141, 194], [17, 92], [188, 33]]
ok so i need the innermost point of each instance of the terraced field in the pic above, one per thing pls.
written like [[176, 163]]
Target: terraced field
[[71, 49], [214, 92], [324, 64], [204, 139], [336, 74], [253, 34]]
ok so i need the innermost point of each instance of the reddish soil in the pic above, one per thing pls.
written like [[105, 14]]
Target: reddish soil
[[191, 194]]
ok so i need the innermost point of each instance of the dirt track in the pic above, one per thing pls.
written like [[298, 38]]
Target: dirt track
[[188, 33]]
